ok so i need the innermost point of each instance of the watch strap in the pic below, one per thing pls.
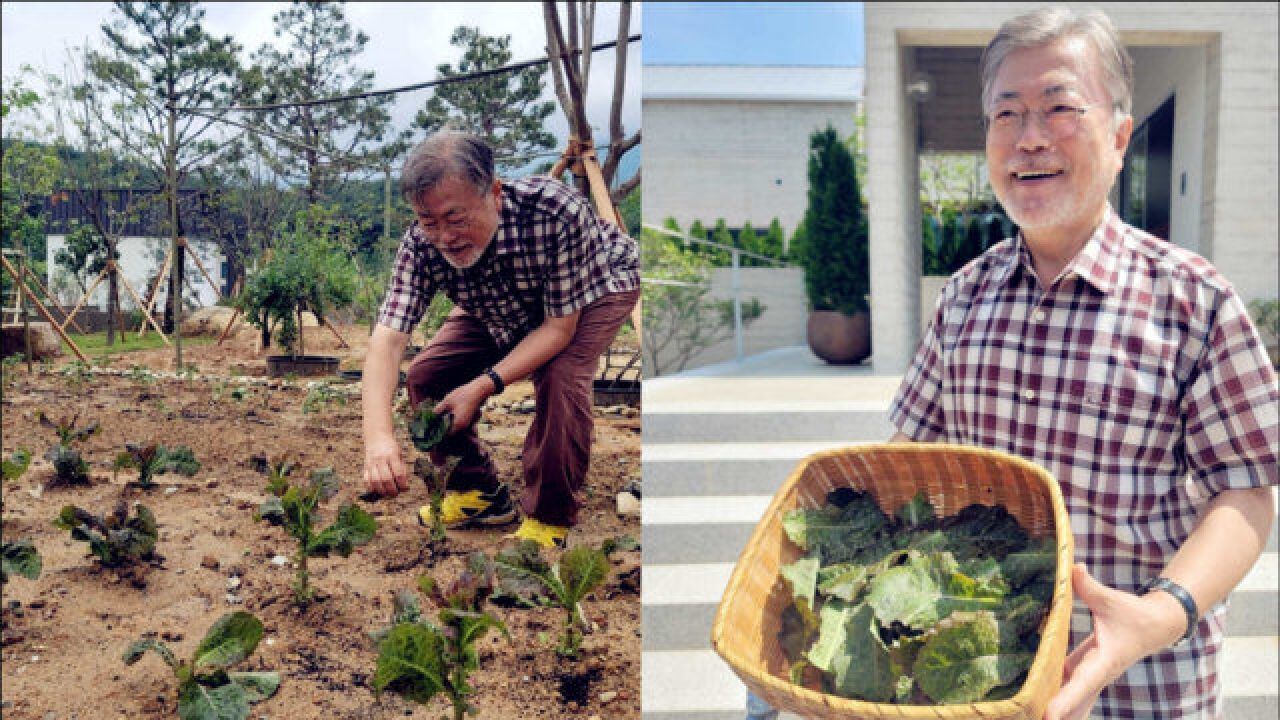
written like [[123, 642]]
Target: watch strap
[[1183, 597], [498, 385]]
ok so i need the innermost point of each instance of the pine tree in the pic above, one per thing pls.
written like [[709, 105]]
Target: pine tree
[[773, 241], [503, 108], [318, 61], [750, 242]]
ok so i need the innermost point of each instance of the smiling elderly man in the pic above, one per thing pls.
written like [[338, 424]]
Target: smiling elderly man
[[540, 286], [1125, 365]]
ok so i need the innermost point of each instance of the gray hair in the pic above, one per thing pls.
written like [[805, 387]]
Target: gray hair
[[447, 154], [1049, 24]]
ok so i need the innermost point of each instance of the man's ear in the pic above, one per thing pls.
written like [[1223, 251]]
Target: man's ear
[[1123, 132], [496, 190]]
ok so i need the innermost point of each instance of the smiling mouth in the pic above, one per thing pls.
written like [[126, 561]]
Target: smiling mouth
[[1033, 175]]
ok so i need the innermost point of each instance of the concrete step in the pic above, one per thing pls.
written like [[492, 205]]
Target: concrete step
[[852, 421], [698, 685]]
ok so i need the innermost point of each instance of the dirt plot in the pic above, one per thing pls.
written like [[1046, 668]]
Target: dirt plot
[[64, 633]]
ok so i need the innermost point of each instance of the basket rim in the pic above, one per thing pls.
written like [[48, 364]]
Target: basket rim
[[1060, 604]]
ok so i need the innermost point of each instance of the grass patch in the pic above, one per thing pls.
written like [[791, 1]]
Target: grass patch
[[95, 344]]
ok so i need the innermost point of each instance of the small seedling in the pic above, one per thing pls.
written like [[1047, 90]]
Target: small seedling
[[13, 466], [151, 460], [277, 469], [117, 539], [206, 689], [137, 373], [292, 507], [526, 579], [418, 659], [322, 396], [19, 558], [436, 481], [69, 468], [76, 372]]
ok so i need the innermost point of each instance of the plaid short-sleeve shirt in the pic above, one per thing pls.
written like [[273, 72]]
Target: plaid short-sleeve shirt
[[1139, 382], [551, 256]]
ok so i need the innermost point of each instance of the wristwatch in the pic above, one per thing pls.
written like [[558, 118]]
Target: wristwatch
[[498, 385], [1183, 597]]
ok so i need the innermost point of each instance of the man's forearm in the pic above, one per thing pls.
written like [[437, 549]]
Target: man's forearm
[[379, 380], [1224, 546]]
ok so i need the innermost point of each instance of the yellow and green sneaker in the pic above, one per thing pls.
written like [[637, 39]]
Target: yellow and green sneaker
[[545, 535], [472, 507]]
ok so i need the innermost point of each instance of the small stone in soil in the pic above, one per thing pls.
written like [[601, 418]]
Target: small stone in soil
[[210, 562], [36, 604], [608, 696]]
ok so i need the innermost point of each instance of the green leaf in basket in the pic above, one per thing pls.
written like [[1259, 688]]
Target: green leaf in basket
[[850, 649], [851, 532], [963, 661]]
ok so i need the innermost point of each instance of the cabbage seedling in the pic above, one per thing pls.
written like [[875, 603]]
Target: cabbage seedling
[[436, 482], [115, 538], [206, 689], [19, 558], [69, 468], [292, 507], [525, 576], [426, 428], [154, 459], [418, 659]]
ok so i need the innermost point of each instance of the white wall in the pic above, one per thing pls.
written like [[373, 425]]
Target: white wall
[[738, 160], [140, 258]]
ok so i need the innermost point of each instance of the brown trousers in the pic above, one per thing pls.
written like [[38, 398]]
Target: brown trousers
[[557, 450]]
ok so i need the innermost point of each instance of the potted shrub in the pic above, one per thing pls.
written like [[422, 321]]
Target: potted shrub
[[308, 270], [833, 251]]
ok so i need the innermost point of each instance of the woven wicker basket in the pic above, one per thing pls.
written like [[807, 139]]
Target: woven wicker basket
[[745, 632]]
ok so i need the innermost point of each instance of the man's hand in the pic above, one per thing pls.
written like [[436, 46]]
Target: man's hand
[[1126, 628], [465, 402], [384, 471]]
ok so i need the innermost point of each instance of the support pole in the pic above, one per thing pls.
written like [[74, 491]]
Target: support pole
[[49, 296], [736, 256], [22, 286], [155, 293], [85, 298], [146, 315], [200, 265]]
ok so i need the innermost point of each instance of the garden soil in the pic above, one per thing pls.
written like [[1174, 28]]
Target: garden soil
[[63, 634]]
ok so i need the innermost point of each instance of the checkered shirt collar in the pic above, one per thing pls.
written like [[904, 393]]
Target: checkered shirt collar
[[1096, 262]]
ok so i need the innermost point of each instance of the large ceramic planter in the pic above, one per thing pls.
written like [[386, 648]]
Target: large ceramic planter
[[840, 339]]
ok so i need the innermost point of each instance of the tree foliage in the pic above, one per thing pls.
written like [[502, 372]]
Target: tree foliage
[[318, 61], [503, 108], [836, 260]]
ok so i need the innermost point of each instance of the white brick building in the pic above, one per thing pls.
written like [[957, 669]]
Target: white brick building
[[1217, 62], [732, 142]]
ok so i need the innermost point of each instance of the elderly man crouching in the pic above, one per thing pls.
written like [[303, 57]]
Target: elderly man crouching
[[540, 286]]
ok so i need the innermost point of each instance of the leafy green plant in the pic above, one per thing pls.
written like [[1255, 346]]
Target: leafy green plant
[[292, 507], [116, 538], [525, 578], [69, 467], [206, 689], [426, 428], [310, 269], [322, 396], [418, 659], [914, 608], [76, 372], [140, 374], [13, 466], [153, 459], [19, 558]]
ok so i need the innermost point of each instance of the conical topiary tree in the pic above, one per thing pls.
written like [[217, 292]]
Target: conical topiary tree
[[835, 254]]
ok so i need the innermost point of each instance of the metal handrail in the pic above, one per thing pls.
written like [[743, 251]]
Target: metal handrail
[[735, 262]]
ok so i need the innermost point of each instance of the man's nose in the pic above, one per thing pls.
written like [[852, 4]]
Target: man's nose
[[1033, 135]]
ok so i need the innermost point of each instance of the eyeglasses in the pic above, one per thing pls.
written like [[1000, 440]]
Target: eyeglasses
[[1058, 120], [454, 225]]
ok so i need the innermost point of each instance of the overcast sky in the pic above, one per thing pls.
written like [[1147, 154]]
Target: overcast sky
[[406, 42]]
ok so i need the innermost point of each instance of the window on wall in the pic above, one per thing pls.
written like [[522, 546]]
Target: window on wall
[[1146, 182]]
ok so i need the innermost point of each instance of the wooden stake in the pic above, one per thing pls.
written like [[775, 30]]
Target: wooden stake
[[41, 309], [85, 298], [155, 293], [200, 265], [146, 314]]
